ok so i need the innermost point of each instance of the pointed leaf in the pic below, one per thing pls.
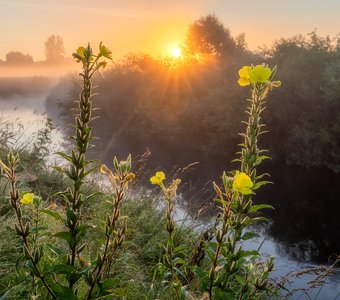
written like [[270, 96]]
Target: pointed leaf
[[260, 206], [63, 292], [65, 156], [67, 236], [249, 235], [53, 214], [62, 269]]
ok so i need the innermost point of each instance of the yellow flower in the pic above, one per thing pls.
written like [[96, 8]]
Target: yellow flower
[[259, 74], [244, 76], [80, 52], [158, 178], [27, 198], [242, 183], [253, 75]]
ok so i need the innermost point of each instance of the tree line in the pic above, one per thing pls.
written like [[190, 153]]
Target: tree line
[[54, 51], [151, 102]]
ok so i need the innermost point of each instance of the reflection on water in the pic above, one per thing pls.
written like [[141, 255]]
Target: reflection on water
[[301, 231]]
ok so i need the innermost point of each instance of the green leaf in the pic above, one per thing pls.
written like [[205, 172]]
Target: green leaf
[[67, 236], [179, 271], [89, 197], [249, 235], [260, 206], [213, 245], [60, 169], [202, 275], [37, 229], [53, 214], [183, 293], [90, 170], [258, 219], [108, 285], [199, 272], [210, 253], [63, 292], [222, 295], [65, 156], [62, 269], [30, 266], [250, 253], [239, 279], [55, 249], [260, 183], [180, 249]]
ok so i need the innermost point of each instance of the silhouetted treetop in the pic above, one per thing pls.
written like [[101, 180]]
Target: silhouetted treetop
[[208, 35]]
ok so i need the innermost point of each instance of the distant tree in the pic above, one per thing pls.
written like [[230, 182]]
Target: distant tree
[[54, 49], [208, 35], [18, 58]]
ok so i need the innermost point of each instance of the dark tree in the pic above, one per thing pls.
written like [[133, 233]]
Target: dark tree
[[18, 58], [54, 49], [208, 35]]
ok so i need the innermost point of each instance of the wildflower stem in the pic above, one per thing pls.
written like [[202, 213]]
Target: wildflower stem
[[220, 240], [23, 230], [106, 258], [250, 151], [79, 162], [170, 226]]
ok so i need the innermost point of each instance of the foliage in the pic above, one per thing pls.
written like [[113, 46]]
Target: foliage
[[167, 101], [90, 257], [209, 36]]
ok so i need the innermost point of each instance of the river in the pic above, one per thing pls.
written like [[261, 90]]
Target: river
[[27, 112]]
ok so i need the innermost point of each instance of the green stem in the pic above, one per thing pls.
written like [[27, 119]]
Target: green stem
[[225, 226], [106, 261], [14, 199]]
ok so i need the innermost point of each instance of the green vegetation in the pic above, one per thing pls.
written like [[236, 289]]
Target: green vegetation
[[83, 255], [69, 238], [153, 103]]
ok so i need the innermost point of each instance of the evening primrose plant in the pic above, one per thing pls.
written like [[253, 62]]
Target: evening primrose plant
[[236, 273], [68, 271], [229, 271], [171, 266]]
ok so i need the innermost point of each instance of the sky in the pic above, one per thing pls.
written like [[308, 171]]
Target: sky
[[155, 26]]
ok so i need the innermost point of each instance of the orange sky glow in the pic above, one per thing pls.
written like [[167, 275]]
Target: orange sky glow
[[154, 27]]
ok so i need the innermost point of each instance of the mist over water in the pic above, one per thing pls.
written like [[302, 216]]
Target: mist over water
[[22, 109]]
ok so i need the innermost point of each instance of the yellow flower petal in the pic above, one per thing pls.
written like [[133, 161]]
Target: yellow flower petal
[[27, 198], [243, 81], [244, 72], [158, 178], [242, 183], [259, 74], [80, 52]]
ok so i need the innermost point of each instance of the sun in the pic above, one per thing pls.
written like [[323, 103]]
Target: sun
[[176, 52]]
